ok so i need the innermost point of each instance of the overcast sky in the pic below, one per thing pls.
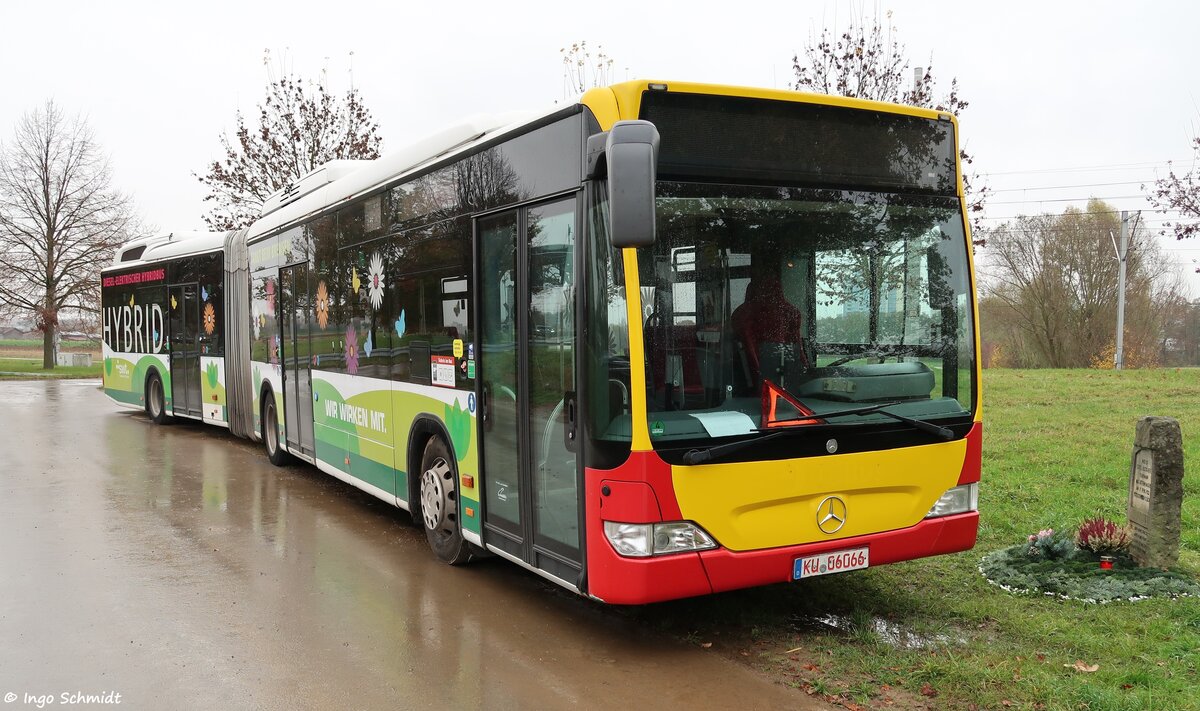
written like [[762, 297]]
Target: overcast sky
[[1054, 87]]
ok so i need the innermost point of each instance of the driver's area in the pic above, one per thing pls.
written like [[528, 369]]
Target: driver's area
[[836, 297]]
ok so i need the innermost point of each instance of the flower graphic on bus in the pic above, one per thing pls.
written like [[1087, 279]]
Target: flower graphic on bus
[[210, 319], [351, 350], [322, 305], [375, 281]]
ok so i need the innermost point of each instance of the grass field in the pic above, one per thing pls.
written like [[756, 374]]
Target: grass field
[[36, 343], [23, 356], [27, 368], [932, 633]]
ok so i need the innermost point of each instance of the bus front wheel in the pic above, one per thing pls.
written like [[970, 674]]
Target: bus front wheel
[[439, 504], [270, 430], [156, 401]]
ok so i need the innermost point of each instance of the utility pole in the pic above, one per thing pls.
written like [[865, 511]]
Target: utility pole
[[1122, 254]]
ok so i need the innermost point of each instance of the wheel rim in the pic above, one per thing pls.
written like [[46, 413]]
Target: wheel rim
[[272, 429], [437, 499]]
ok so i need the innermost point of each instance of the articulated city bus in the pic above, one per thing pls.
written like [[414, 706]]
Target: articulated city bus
[[670, 340]]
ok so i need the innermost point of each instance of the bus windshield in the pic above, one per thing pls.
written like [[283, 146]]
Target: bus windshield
[[838, 298]]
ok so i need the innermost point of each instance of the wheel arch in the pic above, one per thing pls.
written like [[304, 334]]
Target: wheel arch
[[263, 391]]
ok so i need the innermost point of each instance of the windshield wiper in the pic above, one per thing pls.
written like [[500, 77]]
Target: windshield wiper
[[922, 425], [699, 456], [944, 432]]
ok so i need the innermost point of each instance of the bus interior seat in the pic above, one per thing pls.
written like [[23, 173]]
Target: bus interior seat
[[767, 317]]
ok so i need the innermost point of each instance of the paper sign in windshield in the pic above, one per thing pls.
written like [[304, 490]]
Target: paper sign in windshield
[[725, 424]]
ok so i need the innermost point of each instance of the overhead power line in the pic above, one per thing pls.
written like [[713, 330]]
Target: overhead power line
[[1068, 187], [1078, 169], [1144, 210], [1074, 199]]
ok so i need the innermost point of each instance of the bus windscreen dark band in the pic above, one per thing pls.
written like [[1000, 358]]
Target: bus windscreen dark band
[[786, 142]]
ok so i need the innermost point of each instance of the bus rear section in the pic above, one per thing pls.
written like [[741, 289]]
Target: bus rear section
[[163, 311], [801, 380]]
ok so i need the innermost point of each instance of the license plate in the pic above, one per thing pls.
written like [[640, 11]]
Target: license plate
[[833, 562]]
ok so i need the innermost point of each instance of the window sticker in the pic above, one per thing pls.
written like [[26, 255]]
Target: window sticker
[[442, 370]]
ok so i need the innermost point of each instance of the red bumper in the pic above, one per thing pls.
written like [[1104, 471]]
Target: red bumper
[[635, 581], [728, 570]]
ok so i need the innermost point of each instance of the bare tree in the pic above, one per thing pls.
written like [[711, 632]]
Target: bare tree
[[301, 126], [1181, 193], [866, 61], [581, 72], [60, 219], [1051, 291]]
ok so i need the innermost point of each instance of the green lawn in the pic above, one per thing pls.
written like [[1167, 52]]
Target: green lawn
[[27, 368], [1057, 448], [37, 343]]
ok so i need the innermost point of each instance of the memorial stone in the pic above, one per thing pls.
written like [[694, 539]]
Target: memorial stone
[[1156, 492]]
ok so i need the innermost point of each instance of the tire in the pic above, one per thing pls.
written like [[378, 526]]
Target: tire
[[270, 430], [156, 401], [439, 504]]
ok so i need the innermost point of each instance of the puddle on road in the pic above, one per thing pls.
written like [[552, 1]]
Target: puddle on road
[[889, 632]]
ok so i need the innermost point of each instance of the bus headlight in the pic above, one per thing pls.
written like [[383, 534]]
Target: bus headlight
[[960, 499], [641, 540]]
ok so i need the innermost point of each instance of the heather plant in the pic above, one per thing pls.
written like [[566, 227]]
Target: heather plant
[[1102, 537]]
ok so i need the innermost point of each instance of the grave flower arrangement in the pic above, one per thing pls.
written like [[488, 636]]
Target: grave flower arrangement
[[1090, 563]]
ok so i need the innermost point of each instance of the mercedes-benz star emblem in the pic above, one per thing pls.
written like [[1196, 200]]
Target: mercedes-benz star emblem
[[831, 514]]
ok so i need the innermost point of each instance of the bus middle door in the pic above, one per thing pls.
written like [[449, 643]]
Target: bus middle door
[[526, 314], [295, 305], [185, 349]]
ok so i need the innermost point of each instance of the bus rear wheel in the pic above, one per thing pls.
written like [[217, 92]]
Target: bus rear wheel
[[270, 430], [439, 504], [156, 401]]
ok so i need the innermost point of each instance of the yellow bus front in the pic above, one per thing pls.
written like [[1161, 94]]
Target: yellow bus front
[[785, 383]]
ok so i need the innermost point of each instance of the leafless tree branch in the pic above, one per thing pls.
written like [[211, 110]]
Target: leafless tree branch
[[60, 218]]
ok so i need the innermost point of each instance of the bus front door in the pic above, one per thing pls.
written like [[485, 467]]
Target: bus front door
[[185, 349], [295, 303], [526, 317]]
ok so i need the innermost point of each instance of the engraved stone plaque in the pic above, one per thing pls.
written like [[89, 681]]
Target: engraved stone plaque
[[1141, 484], [1156, 492]]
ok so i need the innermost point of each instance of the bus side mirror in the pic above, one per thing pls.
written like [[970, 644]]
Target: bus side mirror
[[631, 152]]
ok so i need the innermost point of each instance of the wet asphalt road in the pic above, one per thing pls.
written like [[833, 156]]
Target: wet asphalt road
[[177, 567]]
